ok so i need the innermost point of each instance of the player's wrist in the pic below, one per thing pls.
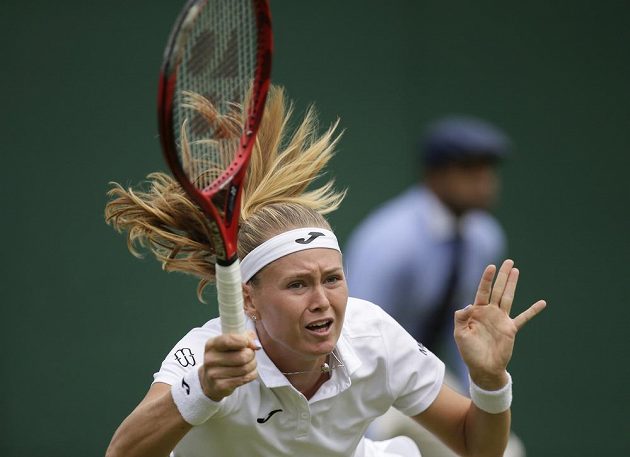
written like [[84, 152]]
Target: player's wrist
[[492, 400], [191, 401], [489, 380]]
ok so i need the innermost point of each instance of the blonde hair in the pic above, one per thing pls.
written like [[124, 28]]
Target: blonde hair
[[276, 198]]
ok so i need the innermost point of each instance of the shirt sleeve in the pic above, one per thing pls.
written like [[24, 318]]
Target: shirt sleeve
[[186, 355], [414, 374]]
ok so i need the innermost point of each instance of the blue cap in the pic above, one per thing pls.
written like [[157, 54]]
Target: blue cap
[[460, 138]]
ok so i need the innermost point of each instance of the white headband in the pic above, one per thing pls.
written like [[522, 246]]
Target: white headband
[[284, 244]]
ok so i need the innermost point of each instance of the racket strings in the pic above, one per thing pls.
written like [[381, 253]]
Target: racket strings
[[204, 169], [217, 67]]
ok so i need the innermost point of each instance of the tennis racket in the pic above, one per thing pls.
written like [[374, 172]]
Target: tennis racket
[[219, 50]]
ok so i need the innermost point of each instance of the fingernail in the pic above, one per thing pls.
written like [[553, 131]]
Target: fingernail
[[257, 344]]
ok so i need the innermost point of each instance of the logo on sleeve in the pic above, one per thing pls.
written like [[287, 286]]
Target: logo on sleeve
[[185, 357], [186, 386], [422, 348], [312, 236]]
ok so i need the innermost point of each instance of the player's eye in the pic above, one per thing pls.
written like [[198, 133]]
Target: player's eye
[[333, 279], [296, 284]]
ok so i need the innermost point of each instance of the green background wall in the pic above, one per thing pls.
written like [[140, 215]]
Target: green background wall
[[84, 324]]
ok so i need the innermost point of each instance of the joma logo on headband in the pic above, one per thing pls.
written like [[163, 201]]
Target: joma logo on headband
[[312, 236]]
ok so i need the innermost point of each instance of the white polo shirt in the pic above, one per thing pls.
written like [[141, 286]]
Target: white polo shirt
[[383, 366]]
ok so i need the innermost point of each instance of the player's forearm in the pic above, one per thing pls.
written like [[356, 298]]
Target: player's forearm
[[152, 429], [487, 423], [486, 434]]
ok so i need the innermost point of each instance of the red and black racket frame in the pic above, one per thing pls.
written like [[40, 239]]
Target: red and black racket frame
[[231, 181]]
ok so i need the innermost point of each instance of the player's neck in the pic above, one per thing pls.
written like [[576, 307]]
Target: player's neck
[[308, 378], [312, 382]]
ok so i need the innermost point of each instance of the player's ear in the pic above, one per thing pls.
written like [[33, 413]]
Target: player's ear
[[248, 303]]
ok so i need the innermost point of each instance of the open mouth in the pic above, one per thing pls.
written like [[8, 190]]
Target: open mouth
[[320, 326]]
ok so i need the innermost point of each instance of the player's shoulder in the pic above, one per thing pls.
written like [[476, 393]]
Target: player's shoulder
[[187, 353], [378, 340], [366, 319], [199, 335]]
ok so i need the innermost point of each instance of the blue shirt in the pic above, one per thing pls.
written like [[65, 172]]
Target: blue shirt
[[400, 257]]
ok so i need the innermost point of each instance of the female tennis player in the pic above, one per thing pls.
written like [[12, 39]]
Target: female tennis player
[[315, 366]]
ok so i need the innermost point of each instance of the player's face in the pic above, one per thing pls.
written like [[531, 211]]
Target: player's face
[[300, 303]]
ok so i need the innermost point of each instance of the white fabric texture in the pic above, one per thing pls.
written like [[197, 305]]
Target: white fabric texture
[[191, 401], [400, 446], [492, 401], [383, 366]]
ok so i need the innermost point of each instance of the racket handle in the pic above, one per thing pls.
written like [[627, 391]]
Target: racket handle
[[230, 297]]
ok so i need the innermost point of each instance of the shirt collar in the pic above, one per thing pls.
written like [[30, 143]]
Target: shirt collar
[[267, 371]]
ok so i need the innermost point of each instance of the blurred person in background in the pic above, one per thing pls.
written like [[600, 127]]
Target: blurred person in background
[[437, 237]]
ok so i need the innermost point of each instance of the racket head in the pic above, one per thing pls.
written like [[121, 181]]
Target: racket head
[[219, 50]]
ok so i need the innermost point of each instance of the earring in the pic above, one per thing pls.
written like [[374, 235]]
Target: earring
[[253, 317]]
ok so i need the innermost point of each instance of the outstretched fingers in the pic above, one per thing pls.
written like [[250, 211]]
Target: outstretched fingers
[[508, 293], [485, 286], [529, 314], [501, 282]]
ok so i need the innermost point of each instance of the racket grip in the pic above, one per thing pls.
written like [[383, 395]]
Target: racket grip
[[230, 297]]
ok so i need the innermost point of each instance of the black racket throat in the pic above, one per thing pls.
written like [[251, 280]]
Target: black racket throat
[[228, 262]]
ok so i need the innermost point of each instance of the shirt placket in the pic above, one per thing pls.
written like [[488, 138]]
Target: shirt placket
[[303, 416]]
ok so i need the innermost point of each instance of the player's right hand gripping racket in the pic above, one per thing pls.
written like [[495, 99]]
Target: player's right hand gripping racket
[[220, 50]]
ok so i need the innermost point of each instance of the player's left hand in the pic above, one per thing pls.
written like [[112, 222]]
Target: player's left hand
[[484, 331]]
